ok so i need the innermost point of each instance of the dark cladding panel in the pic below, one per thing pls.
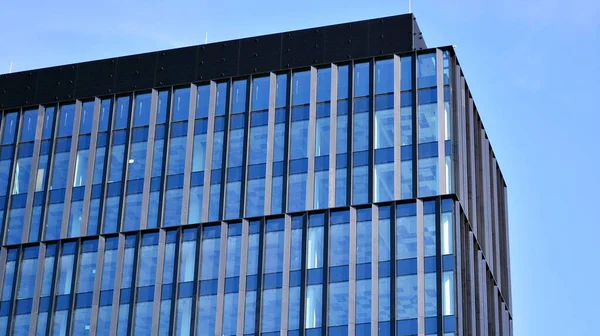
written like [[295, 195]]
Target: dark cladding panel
[[389, 35], [303, 48], [217, 60], [343, 42], [17, 89], [95, 78], [135, 72], [260, 54], [56, 83], [175, 66]]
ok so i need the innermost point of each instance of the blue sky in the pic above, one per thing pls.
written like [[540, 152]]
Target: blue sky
[[532, 66]]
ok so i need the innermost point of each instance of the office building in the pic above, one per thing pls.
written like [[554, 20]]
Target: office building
[[329, 181]]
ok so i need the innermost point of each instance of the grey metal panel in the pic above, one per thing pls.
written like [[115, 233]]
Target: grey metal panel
[[460, 267], [270, 143], [352, 275], [210, 132], [285, 284], [97, 285], [149, 158], [471, 166], [37, 289], [397, 130], [312, 122], [243, 270], [441, 114], [497, 315], [333, 135], [114, 316], [89, 175], [32, 178], [471, 284], [3, 256], [374, 270], [187, 174], [221, 280], [158, 280], [506, 249], [71, 171], [420, 268], [482, 292], [497, 270]]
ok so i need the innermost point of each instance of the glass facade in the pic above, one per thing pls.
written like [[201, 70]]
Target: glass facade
[[307, 201]]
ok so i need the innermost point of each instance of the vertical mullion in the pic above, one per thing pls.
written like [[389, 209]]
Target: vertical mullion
[[71, 171], [415, 126], [114, 317], [242, 284], [304, 272], [374, 269], [420, 268], [175, 287], [209, 151], [149, 160], [35, 159], [371, 126], [397, 128], [245, 144], [393, 270], [37, 288], [221, 279], [285, 287], [270, 143], [325, 286], [187, 175], [333, 135], [97, 285], [350, 135], [441, 116], [225, 150], [74, 277], [312, 120], [158, 280], [259, 278], [89, 175], [286, 154], [197, 270], [438, 258], [352, 273]]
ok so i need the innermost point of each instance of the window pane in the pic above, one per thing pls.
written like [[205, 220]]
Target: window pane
[[181, 104], [202, 101], [121, 116], [339, 248], [21, 175], [297, 192], [59, 171], [258, 145], [360, 185], [117, 156], [384, 76], [430, 294], [210, 258], [222, 93], [361, 79], [338, 304], [172, 212], [301, 88], [234, 245], [321, 197], [406, 297], [157, 158], [48, 122], [238, 99], [141, 110], [81, 162], [75, 218], [361, 132], [230, 307], [236, 148], [27, 278], [255, 199], [428, 177], [322, 137], [65, 120], [187, 260], [147, 265], [195, 209], [87, 116], [207, 307], [29, 124], [324, 84], [384, 128], [137, 160], [105, 112], [250, 313], [260, 93], [299, 139], [232, 205], [53, 221], [271, 310], [65, 276], [342, 134], [274, 252], [363, 242], [363, 301], [198, 159], [281, 99], [314, 248], [313, 306], [177, 153], [99, 165], [406, 237], [384, 182], [87, 272]]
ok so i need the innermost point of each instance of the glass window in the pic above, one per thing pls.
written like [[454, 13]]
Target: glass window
[[447, 233], [260, 93], [406, 231], [9, 277], [111, 214], [406, 297], [281, 90], [21, 175], [87, 267], [301, 88], [426, 70], [117, 156], [65, 120], [342, 134], [121, 117], [341, 192], [137, 160], [99, 165], [187, 260], [214, 210], [163, 107], [222, 93], [406, 176], [234, 245], [53, 221], [75, 218], [299, 139], [87, 116], [181, 104], [157, 157], [143, 318], [230, 307], [198, 158], [448, 293], [238, 99], [314, 248], [406, 73], [110, 264], [363, 301], [141, 110], [65, 276], [172, 212], [321, 197], [338, 304], [202, 101], [384, 128], [384, 76], [232, 201], [324, 84], [255, 199], [277, 195], [195, 207], [274, 242], [41, 174], [430, 294], [406, 125], [177, 153], [313, 306], [59, 171], [48, 274], [258, 145], [428, 177], [361, 79], [15, 226], [147, 260], [384, 299], [236, 147], [271, 310], [28, 125], [339, 244], [48, 122], [210, 253], [297, 192], [343, 80], [207, 306], [105, 112], [428, 127], [217, 154], [360, 185], [360, 134], [384, 182], [81, 162], [363, 241], [27, 274], [133, 212], [250, 313], [322, 137]]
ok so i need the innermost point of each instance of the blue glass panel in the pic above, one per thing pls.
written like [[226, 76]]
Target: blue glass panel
[[221, 99], [338, 304], [361, 79], [28, 125], [202, 101], [426, 70], [238, 99], [324, 84], [339, 273], [141, 110], [181, 104], [281, 90], [273, 280], [313, 306], [121, 117], [363, 271], [343, 80], [301, 88], [406, 266], [431, 325], [384, 76], [297, 192], [298, 166]]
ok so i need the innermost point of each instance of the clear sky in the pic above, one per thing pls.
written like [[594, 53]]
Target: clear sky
[[532, 66]]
